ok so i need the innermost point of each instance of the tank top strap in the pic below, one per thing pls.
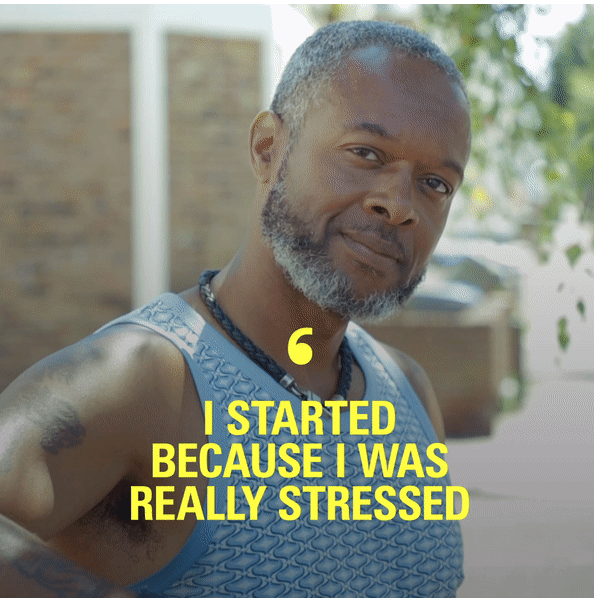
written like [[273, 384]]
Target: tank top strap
[[372, 349]]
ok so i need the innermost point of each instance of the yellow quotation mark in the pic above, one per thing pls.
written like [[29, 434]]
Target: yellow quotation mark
[[300, 353]]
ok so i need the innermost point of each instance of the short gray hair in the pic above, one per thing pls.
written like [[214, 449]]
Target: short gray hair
[[309, 72]]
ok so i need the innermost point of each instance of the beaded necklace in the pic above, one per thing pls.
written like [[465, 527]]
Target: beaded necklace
[[267, 363]]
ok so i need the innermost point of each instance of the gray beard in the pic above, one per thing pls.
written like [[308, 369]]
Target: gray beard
[[308, 267]]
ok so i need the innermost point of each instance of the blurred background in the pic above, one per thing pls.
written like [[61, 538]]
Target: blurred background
[[124, 173]]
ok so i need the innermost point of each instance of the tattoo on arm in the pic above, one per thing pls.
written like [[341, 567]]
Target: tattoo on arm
[[60, 576], [60, 428], [58, 419], [60, 424], [63, 431], [38, 397], [29, 569]]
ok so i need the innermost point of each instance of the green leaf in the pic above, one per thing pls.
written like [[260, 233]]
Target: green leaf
[[573, 253], [581, 307], [562, 333]]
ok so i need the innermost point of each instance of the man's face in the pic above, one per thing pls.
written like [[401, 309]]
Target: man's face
[[363, 197]]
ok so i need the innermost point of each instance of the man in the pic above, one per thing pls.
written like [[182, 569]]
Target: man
[[356, 164]]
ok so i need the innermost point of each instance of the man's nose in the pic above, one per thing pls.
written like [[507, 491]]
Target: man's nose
[[393, 200]]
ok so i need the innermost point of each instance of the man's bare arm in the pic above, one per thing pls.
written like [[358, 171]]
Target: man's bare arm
[[71, 428], [29, 569], [78, 422]]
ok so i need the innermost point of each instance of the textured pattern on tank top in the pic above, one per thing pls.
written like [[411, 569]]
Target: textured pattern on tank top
[[270, 557]]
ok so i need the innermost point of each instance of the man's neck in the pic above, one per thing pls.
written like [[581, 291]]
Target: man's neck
[[268, 310]]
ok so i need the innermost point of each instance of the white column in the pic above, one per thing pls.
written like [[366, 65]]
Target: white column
[[149, 144]]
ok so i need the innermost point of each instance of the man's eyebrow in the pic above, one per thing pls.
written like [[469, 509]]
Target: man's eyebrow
[[456, 167], [372, 128], [381, 131]]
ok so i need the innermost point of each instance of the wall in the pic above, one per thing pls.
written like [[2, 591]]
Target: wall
[[65, 176], [213, 97], [64, 190]]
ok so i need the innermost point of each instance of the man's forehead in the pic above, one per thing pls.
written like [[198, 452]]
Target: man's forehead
[[376, 75], [380, 65], [372, 60], [395, 97]]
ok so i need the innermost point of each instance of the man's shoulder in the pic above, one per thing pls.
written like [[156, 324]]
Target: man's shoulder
[[134, 342], [145, 334], [85, 418], [149, 357], [421, 384], [115, 370]]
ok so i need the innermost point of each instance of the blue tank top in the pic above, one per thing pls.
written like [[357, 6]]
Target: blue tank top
[[271, 557]]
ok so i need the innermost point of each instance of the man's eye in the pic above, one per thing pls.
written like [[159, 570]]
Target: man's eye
[[366, 154], [437, 185]]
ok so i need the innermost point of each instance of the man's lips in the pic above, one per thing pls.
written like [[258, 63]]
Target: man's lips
[[374, 250], [376, 244]]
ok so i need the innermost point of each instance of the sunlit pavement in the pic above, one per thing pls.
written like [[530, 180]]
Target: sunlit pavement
[[530, 529]]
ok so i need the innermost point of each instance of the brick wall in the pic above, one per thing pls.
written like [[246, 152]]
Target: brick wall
[[214, 94], [64, 190]]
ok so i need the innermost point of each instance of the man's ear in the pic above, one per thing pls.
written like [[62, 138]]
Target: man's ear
[[267, 144]]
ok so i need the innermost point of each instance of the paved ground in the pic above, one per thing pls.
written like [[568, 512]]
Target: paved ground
[[530, 529]]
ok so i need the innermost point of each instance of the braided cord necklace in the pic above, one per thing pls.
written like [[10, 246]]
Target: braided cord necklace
[[267, 363]]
